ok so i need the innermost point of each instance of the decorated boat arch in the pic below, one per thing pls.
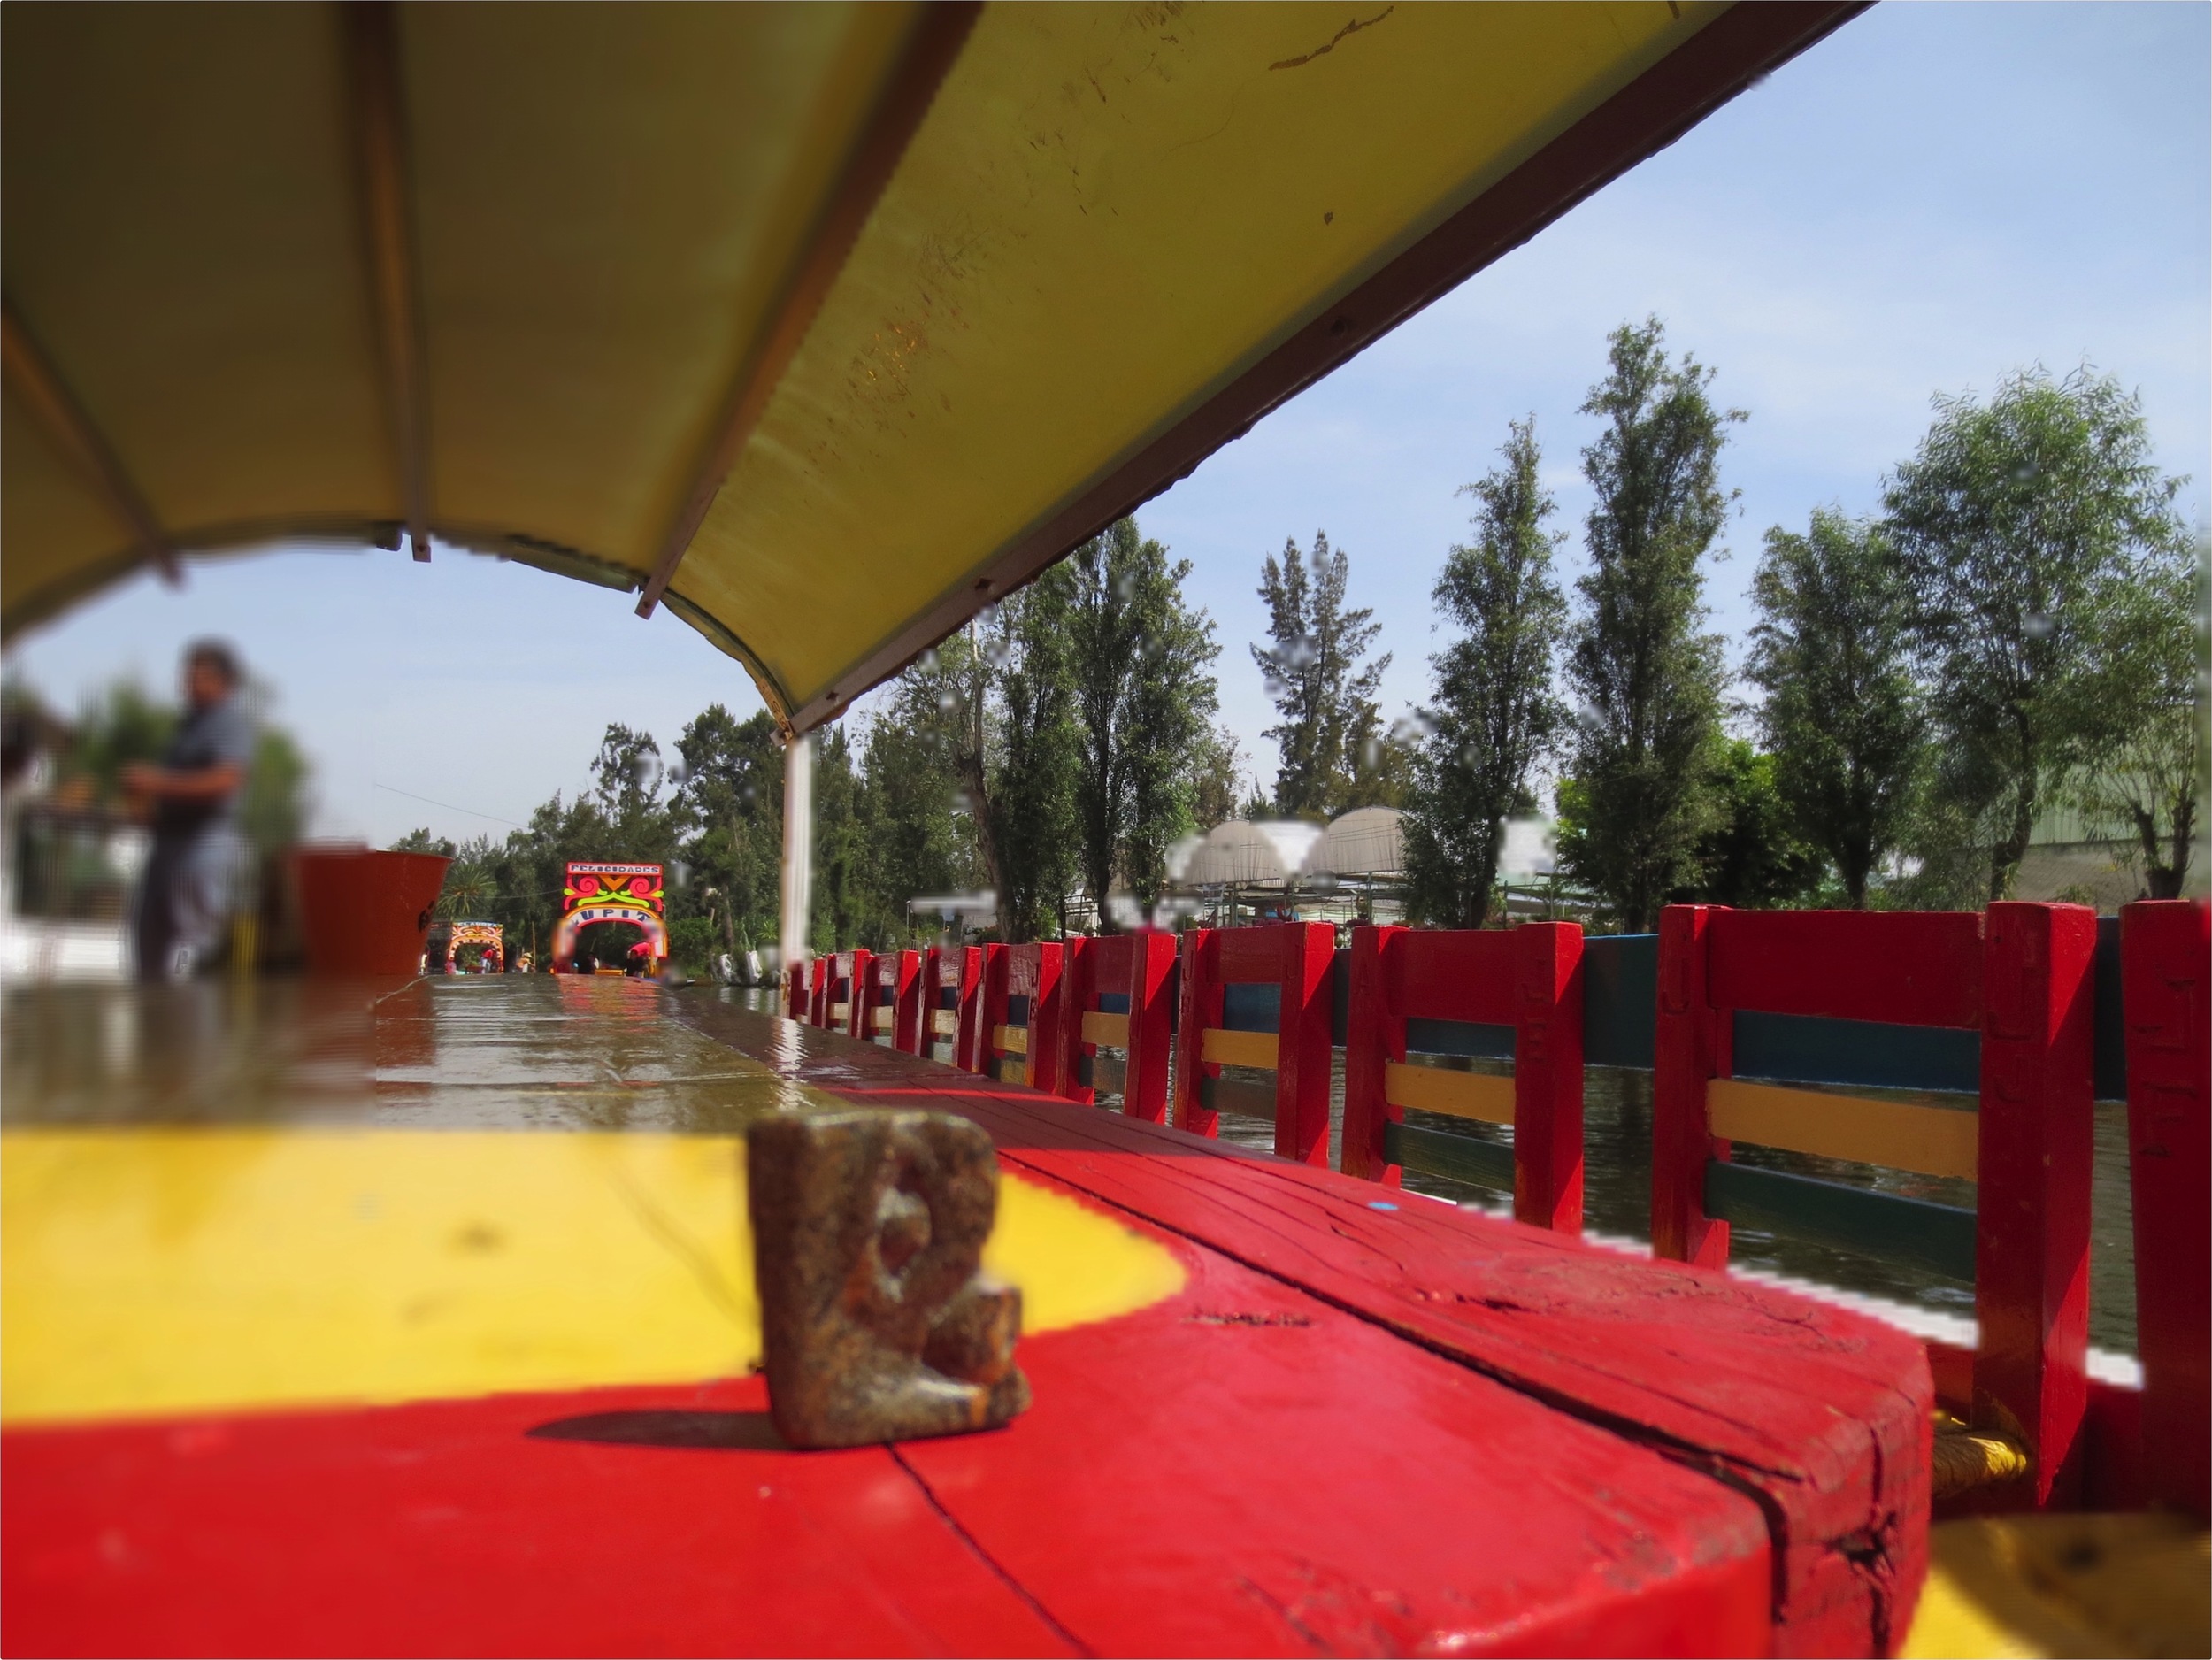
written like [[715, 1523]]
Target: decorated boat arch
[[628, 893], [449, 941]]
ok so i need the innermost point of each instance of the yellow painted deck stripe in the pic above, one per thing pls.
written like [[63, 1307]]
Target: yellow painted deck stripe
[[1111, 1030], [1010, 1040], [153, 1273], [1462, 1094], [1237, 1048], [1898, 1134], [945, 1022]]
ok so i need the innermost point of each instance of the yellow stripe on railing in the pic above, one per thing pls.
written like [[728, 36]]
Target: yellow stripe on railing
[[1010, 1040], [841, 1011], [1460, 1094], [1013, 1071], [1898, 1134], [945, 1022], [1109, 1030], [1237, 1048], [885, 1019]]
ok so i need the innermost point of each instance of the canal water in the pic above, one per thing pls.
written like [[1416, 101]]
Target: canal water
[[1616, 1194]]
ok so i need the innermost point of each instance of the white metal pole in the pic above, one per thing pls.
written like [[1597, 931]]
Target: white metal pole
[[798, 848]]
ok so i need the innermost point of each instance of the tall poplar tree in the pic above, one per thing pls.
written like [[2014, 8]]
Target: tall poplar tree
[[1648, 678], [1843, 718], [1144, 700], [1494, 714], [1317, 672]]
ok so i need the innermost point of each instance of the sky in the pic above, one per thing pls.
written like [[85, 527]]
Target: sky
[[1935, 196]]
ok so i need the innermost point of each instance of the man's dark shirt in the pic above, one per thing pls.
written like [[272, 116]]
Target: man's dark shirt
[[212, 736]]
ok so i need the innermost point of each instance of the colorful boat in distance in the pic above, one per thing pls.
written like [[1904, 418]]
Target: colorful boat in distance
[[448, 948], [630, 895]]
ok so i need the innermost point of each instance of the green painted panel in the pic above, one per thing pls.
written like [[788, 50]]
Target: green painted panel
[[1936, 1237], [1456, 1157]]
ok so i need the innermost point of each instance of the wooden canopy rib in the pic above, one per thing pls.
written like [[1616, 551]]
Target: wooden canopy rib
[[45, 396], [380, 136], [1733, 52], [930, 54]]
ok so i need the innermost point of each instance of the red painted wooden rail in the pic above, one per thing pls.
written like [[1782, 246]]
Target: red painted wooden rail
[[817, 992], [1139, 967], [1296, 957], [2164, 948], [795, 1002], [1031, 972], [891, 984], [1528, 977], [950, 983], [2021, 975]]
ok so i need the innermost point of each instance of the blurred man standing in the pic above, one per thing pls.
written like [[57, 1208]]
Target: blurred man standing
[[192, 799]]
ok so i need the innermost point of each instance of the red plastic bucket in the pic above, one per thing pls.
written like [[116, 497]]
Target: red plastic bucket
[[364, 911]]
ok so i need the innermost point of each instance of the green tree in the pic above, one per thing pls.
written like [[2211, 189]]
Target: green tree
[[1033, 767], [1648, 678], [729, 811], [2013, 522], [1751, 855], [1842, 718], [1216, 768], [1494, 714], [1316, 671], [2141, 775], [1139, 662]]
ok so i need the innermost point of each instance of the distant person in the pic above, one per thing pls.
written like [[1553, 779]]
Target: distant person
[[192, 800]]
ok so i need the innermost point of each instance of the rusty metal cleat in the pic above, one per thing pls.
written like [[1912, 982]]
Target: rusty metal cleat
[[876, 1320]]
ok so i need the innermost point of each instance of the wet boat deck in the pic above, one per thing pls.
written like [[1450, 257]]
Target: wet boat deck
[[419, 1320]]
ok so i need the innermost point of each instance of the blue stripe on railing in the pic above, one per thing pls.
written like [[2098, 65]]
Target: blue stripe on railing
[[1252, 1008], [1113, 1003], [1340, 996], [1801, 1049], [1016, 1010], [1620, 999], [1938, 1237], [948, 997], [1459, 1037]]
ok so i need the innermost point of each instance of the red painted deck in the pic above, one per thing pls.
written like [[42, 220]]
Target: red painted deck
[[1354, 1430]]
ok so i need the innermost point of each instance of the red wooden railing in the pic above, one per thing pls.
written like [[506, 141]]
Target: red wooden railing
[[1528, 977], [1296, 958], [1139, 967], [2164, 948], [2021, 975], [890, 1000]]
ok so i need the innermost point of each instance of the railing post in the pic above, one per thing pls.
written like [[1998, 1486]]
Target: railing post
[[906, 1002], [1302, 1046], [1200, 1008], [1375, 1038], [2035, 1144], [1048, 1018], [2164, 948], [859, 994], [969, 1040], [1547, 1076], [795, 998], [1078, 981], [818, 999], [1151, 973], [1688, 1047], [990, 1011]]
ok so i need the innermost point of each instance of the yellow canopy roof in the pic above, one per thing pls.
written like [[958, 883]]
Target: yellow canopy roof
[[835, 322]]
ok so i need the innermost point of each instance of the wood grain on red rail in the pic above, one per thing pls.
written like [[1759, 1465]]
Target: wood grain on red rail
[[1819, 1415]]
